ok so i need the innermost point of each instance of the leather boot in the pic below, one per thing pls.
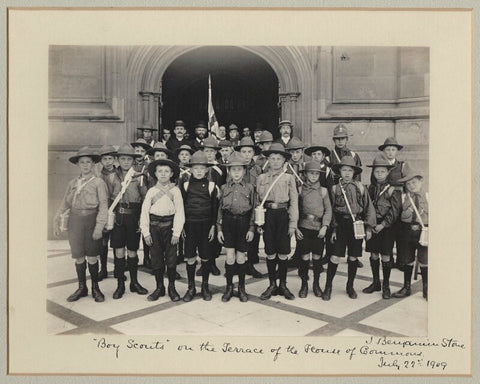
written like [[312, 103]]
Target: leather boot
[[213, 268], [160, 289], [133, 269], [424, 271], [375, 286], [272, 288], [331, 271], [103, 274], [294, 261], [407, 278], [119, 272], [352, 272], [147, 261], [96, 293], [303, 273], [386, 268], [229, 290], [82, 290], [282, 288], [242, 295], [317, 270], [172, 291], [191, 291], [252, 271], [206, 294]]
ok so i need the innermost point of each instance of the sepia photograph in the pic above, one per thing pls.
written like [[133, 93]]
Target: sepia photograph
[[238, 190]]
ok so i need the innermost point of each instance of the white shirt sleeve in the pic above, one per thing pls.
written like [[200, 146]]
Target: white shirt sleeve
[[179, 218], [145, 213]]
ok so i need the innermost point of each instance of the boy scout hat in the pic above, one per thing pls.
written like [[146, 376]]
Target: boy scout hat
[[380, 161], [390, 142], [127, 150], [236, 159], [295, 143], [85, 151], [183, 147], [153, 166], [409, 175], [232, 127], [147, 128], [340, 131], [141, 143], [314, 148], [278, 148], [159, 147], [247, 142], [107, 150], [285, 122], [266, 137], [312, 165], [179, 123], [348, 161], [199, 158], [224, 143], [210, 142]]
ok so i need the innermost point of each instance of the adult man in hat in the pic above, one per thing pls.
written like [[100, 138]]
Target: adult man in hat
[[200, 135], [233, 134], [222, 133], [285, 129], [178, 137], [257, 132], [166, 135], [246, 132], [266, 140], [147, 134]]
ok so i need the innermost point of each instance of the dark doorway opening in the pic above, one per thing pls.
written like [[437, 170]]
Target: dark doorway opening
[[244, 88]]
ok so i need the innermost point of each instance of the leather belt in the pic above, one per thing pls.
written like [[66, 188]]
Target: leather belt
[[271, 205], [228, 213], [305, 216], [83, 212], [127, 211]]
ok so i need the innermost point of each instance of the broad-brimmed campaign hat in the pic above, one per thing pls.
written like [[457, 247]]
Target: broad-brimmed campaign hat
[[314, 148], [340, 131], [127, 150], [285, 122], [278, 148], [347, 161], [390, 142], [312, 165], [295, 143], [199, 158], [232, 127], [153, 166], [107, 150], [85, 151], [159, 147], [236, 158], [183, 147], [146, 128], [380, 161], [179, 123], [247, 142], [141, 143], [266, 137], [409, 175], [210, 142], [224, 144]]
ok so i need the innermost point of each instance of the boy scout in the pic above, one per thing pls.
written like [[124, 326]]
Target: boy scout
[[201, 206], [340, 138], [147, 135], [235, 222], [315, 216], [413, 229], [281, 203], [161, 223], [352, 208], [266, 140], [385, 201], [125, 232], [86, 201], [319, 154], [295, 147], [225, 150], [233, 135]]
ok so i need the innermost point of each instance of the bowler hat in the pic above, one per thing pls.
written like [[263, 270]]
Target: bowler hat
[[127, 150], [201, 124], [183, 147], [236, 159], [285, 122], [107, 150], [314, 148], [179, 123], [210, 142], [85, 151], [198, 158], [146, 128], [409, 175], [295, 143], [340, 131], [380, 161], [258, 127], [347, 161], [312, 165], [153, 166], [279, 149], [141, 143], [390, 142], [247, 142], [159, 147], [266, 137]]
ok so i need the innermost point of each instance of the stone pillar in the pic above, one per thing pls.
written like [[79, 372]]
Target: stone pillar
[[157, 112], [288, 108], [146, 108]]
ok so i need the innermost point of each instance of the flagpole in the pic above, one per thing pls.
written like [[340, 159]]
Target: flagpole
[[209, 101]]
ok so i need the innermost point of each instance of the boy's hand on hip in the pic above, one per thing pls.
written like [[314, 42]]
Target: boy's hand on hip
[[378, 228], [291, 231], [211, 233], [97, 234], [149, 240], [322, 233], [220, 237], [249, 236], [175, 239], [299, 234], [368, 234]]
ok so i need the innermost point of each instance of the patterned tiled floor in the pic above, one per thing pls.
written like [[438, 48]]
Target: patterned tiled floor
[[133, 314]]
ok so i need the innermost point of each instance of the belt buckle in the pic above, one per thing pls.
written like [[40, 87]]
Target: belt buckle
[[121, 210], [415, 227], [274, 205]]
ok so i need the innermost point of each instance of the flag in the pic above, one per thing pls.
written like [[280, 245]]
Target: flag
[[212, 120]]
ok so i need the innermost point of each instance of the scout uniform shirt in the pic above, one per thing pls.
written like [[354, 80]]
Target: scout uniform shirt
[[326, 176], [315, 207], [360, 203], [262, 162], [284, 191], [296, 167], [336, 157], [163, 201], [141, 167], [238, 199], [386, 202], [217, 174], [252, 172], [396, 173], [134, 193], [93, 195], [408, 214]]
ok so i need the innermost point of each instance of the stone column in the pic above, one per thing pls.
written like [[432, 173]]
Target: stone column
[[146, 108], [157, 112]]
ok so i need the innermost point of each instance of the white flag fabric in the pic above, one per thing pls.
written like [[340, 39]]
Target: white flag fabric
[[212, 119]]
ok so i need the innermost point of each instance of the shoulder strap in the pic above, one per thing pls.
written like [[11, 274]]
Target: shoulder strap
[[360, 187], [347, 202], [336, 155], [353, 153], [186, 185], [218, 169], [390, 191], [404, 195], [416, 211], [211, 187]]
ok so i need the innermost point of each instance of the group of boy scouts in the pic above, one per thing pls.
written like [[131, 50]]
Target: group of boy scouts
[[188, 198]]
